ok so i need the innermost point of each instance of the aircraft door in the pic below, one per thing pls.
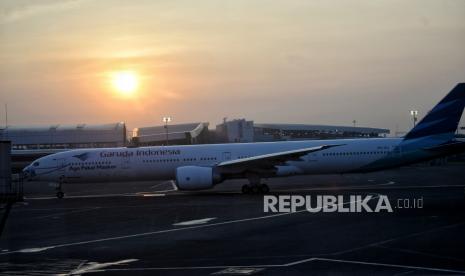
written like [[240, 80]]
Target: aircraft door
[[61, 167], [125, 163], [396, 151], [226, 156], [124, 168]]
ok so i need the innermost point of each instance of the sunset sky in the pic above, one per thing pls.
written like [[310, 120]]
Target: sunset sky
[[316, 62]]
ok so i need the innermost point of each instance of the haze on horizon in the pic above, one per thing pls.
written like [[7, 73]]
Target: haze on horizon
[[315, 62]]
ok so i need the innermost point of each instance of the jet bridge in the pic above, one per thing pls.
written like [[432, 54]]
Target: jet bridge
[[11, 185]]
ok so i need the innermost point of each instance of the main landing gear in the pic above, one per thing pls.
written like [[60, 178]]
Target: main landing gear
[[255, 186], [255, 189]]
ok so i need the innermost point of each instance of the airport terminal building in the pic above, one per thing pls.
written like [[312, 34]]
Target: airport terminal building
[[30, 143], [243, 131], [65, 136], [273, 132], [180, 134], [62, 137], [235, 131]]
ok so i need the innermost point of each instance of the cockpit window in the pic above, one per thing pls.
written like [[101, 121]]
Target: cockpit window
[[35, 164]]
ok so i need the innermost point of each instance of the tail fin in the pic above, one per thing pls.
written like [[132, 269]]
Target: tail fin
[[444, 118]]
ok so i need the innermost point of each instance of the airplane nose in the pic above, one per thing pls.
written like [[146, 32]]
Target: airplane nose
[[28, 172]]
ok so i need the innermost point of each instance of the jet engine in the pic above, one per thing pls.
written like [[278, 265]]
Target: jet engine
[[196, 178]]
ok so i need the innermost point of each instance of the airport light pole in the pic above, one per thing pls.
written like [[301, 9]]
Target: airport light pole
[[166, 120], [354, 122], [414, 114]]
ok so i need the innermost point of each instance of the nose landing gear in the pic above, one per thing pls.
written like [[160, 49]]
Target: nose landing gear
[[59, 190], [60, 194]]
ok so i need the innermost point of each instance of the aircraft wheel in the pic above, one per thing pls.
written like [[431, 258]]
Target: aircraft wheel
[[246, 189], [255, 189], [60, 194], [264, 189]]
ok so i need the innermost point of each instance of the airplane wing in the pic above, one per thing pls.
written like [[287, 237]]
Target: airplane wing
[[269, 161]]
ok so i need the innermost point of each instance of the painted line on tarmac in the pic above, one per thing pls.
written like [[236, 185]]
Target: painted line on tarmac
[[67, 213], [40, 249], [423, 268], [141, 194], [378, 243], [383, 186], [175, 187], [152, 195], [421, 253], [82, 196], [194, 222], [169, 182], [90, 267], [193, 267], [386, 184], [391, 265], [370, 187], [160, 184]]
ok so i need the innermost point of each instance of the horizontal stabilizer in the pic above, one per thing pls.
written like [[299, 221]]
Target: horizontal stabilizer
[[455, 146]]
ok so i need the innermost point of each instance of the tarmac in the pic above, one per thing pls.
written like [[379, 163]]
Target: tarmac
[[150, 228]]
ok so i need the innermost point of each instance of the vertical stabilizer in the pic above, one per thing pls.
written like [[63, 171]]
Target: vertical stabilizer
[[444, 118]]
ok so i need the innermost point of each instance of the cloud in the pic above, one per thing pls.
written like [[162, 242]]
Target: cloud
[[15, 10]]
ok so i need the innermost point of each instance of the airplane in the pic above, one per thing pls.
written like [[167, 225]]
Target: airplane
[[199, 167]]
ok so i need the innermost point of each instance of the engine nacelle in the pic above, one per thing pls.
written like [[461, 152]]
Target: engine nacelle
[[196, 178]]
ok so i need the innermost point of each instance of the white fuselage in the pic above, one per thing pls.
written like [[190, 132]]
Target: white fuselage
[[161, 162]]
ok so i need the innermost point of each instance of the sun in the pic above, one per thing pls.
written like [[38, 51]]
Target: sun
[[125, 82]]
